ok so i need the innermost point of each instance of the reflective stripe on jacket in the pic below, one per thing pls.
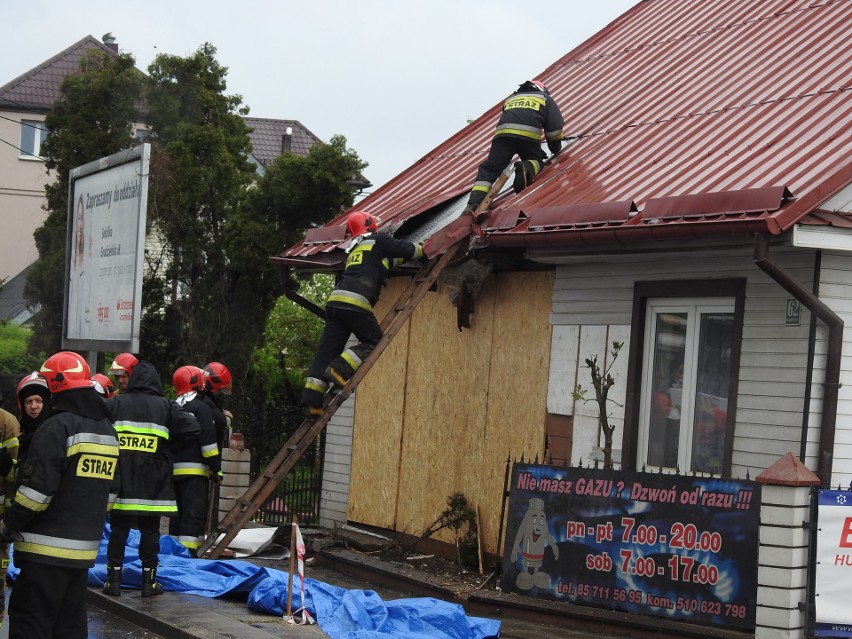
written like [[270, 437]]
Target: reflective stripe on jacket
[[367, 268], [147, 423], [66, 483], [526, 115]]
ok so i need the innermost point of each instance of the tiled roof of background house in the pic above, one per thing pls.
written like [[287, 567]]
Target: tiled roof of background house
[[685, 110], [268, 141], [38, 88], [267, 138]]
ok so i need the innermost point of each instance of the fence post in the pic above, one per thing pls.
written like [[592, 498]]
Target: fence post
[[236, 478], [782, 573]]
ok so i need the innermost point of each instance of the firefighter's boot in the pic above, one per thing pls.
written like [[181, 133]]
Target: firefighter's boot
[[341, 370], [313, 396], [150, 586], [525, 172], [112, 586]]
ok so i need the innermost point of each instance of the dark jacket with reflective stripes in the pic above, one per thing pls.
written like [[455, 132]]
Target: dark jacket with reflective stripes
[[219, 418], [146, 422], [66, 484], [526, 113], [197, 456], [370, 261]]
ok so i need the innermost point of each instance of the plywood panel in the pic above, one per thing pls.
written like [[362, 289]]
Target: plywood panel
[[445, 407], [517, 389], [443, 416], [378, 426]]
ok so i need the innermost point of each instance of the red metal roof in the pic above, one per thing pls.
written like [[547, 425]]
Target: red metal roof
[[717, 117]]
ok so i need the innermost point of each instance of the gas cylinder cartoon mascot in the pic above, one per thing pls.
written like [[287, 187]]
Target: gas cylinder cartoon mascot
[[530, 541]]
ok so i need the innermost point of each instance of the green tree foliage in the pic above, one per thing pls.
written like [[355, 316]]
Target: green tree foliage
[[289, 340], [93, 118], [297, 192], [213, 221], [14, 352], [200, 174]]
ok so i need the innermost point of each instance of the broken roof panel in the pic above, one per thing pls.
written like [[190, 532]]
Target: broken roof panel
[[673, 99]]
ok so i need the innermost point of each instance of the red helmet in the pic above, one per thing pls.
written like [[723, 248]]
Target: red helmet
[[359, 223], [65, 371], [32, 384], [217, 377], [123, 364], [103, 385], [187, 379]]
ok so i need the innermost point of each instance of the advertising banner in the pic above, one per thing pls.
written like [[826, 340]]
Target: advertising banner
[[678, 547], [834, 564], [106, 239]]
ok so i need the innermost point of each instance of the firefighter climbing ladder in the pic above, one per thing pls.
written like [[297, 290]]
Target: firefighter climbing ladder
[[283, 462]]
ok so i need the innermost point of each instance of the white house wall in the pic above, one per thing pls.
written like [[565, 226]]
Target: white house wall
[[21, 197], [592, 306], [336, 466]]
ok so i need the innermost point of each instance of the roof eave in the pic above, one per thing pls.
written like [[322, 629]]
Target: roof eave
[[624, 235]]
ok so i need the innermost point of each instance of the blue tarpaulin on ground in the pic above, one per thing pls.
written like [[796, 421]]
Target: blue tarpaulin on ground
[[340, 613]]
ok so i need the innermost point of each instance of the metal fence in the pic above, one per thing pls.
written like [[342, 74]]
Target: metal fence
[[299, 494]]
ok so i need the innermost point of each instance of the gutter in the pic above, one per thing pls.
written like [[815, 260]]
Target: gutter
[[834, 349]]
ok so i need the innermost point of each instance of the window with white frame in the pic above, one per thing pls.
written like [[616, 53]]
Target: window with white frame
[[33, 135], [686, 380]]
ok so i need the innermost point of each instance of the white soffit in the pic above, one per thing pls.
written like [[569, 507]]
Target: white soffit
[[830, 238], [826, 238]]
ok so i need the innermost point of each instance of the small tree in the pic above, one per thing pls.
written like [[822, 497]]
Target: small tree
[[602, 381], [457, 513]]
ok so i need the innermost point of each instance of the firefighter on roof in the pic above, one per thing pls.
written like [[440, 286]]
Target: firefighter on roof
[[526, 112], [349, 309]]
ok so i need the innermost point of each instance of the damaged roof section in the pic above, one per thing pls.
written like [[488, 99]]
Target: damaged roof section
[[693, 120]]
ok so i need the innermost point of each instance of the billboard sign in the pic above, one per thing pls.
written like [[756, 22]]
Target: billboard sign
[[834, 564], [106, 248], [673, 546]]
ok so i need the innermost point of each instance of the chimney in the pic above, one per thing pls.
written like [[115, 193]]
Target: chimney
[[287, 140], [109, 40]]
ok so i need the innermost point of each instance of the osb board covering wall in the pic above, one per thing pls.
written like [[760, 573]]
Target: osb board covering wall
[[443, 409]]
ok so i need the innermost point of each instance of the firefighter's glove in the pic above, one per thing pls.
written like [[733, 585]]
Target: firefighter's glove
[[555, 146], [6, 462]]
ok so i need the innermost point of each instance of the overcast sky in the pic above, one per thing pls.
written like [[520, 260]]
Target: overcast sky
[[395, 77]]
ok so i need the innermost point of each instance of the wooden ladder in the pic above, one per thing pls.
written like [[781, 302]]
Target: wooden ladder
[[293, 449]]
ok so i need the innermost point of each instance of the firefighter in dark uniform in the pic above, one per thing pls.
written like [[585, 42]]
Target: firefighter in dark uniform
[[196, 461], [349, 309], [10, 430], [527, 112], [217, 389], [68, 481], [146, 422]]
